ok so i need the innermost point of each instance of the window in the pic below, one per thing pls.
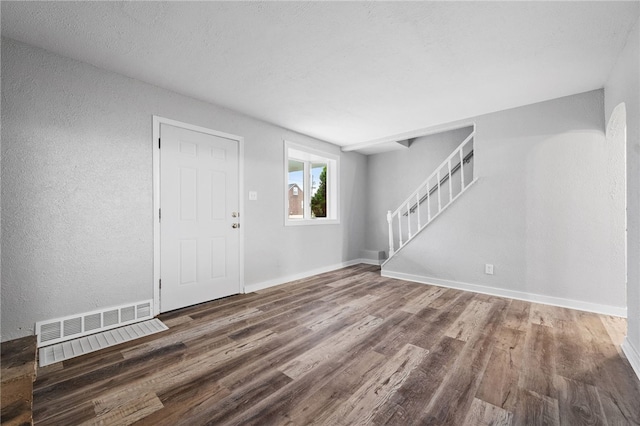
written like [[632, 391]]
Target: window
[[311, 186]]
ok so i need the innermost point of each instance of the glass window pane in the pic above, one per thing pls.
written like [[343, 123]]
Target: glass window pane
[[296, 192], [318, 189]]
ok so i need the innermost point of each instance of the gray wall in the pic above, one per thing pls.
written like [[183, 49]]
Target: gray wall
[[623, 86], [77, 189], [547, 211]]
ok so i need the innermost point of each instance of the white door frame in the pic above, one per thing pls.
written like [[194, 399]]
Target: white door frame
[[157, 121]]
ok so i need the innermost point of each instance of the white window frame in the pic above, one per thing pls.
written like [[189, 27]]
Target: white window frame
[[308, 155]]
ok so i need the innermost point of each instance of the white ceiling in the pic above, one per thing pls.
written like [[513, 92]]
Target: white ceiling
[[345, 72]]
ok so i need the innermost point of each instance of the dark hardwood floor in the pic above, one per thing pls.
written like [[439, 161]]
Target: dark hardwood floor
[[350, 347], [17, 373]]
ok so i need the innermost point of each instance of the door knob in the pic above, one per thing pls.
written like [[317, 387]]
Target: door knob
[[235, 225]]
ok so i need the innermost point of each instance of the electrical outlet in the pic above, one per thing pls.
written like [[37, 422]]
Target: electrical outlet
[[253, 196], [488, 269]]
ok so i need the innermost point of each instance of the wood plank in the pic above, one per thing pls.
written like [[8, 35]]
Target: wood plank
[[410, 331], [499, 385], [571, 358], [391, 305], [578, 403], [184, 336], [16, 402], [517, 317], [426, 327], [348, 281], [172, 322], [68, 415], [235, 404], [538, 361], [321, 401], [306, 362], [355, 290], [616, 328], [447, 298], [300, 402], [535, 409], [365, 402], [324, 319], [435, 327], [17, 372], [123, 410], [282, 319], [541, 315], [18, 358], [407, 403], [416, 304], [617, 393], [464, 378], [181, 399], [190, 369], [482, 413], [469, 321]]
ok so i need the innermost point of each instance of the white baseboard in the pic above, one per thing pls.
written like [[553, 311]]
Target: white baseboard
[[512, 294], [282, 280], [632, 355]]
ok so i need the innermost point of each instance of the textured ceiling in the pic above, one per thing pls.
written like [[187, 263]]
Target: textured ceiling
[[345, 72]]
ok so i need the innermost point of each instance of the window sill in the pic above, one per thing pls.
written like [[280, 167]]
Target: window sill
[[303, 222]]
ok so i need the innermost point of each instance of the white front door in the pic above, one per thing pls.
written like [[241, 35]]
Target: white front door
[[199, 240]]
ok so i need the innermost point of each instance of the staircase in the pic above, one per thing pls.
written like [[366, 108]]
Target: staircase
[[446, 184]]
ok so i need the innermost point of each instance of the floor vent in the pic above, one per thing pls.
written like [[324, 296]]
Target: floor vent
[[84, 345], [74, 326]]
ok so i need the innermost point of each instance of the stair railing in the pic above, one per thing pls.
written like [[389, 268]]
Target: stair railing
[[412, 216]]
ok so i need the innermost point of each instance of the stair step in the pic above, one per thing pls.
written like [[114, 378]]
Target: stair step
[[18, 372]]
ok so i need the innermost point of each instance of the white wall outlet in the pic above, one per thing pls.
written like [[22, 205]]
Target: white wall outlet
[[488, 269], [253, 195]]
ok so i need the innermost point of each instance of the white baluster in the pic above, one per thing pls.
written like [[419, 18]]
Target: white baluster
[[399, 230], [439, 197], [418, 207], [390, 220], [450, 187], [428, 202], [461, 170], [408, 206]]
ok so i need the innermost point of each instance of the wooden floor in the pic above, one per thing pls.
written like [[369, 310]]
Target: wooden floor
[[17, 373], [350, 347]]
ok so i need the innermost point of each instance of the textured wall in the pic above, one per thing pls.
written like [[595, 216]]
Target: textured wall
[[77, 189], [547, 211], [624, 86]]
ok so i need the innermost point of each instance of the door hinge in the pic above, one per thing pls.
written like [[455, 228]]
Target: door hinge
[[158, 143], [159, 214], [160, 283]]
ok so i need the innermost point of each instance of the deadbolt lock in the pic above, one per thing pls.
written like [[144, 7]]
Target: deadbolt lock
[[235, 214]]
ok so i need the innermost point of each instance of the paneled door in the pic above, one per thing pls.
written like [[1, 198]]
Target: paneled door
[[199, 218]]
